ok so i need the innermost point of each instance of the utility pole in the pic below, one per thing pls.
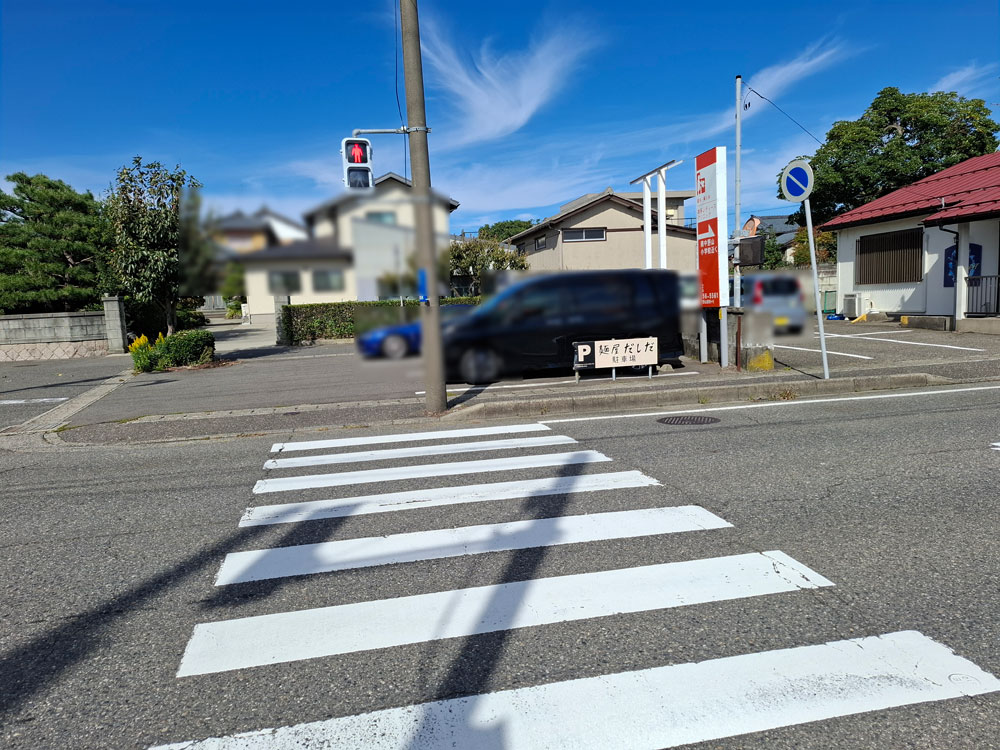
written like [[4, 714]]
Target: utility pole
[[420, 170], [737, 302]]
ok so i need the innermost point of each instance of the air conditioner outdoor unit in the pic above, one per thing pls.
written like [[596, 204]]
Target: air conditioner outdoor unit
[[852, 306]]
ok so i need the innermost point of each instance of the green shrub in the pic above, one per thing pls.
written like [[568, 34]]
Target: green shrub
[[180, 349], [339, 320], [186, 348], [187, 319]]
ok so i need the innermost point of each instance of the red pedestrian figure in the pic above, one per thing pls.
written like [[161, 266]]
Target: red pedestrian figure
[[357, 154]]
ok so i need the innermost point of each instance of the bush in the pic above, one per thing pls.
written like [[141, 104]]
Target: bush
[[339, 320], [187, 319], [177, 350], [186, 348]]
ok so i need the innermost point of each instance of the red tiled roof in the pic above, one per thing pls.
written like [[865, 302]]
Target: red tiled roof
[[967, 190]]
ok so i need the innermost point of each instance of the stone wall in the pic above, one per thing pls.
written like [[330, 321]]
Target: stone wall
[[63, 335]]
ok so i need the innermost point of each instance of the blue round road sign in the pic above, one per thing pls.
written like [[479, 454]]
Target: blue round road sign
[[797, 180]]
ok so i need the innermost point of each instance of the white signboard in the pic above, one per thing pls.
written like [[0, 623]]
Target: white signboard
[[616, 353], [713, 227]]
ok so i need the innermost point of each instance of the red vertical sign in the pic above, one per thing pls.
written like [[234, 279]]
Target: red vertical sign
[[712, 259]]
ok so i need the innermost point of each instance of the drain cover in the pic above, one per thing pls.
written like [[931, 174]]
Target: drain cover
[[687, 419]]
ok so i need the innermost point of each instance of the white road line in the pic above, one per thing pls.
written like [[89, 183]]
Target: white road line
[[285, 484], [913, 343], [325, 557], [995, 446], [803, 349], [870, 333], [313, 633], [418, 450], [16, 401], [407, 437], [542, 384], [471, 493], [660, 707], [772, 404]]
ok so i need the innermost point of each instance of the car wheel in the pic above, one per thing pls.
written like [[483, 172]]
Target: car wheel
[[395, 347], [479, 366]]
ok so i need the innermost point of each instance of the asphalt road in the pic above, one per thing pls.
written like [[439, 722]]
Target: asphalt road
[[110, 554], [30, 388]]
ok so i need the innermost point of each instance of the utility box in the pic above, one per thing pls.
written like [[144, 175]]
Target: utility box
[[852, 306], [751, 251]]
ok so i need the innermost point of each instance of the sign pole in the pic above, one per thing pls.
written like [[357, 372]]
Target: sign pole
[[661, 213], [647, 221], [815, 272], [737, 302]]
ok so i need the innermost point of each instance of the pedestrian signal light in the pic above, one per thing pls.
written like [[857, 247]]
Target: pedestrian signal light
[[357, 156]]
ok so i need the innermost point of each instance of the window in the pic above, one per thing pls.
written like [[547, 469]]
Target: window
[[284, 282], [520, 248], [540, 243], [890, 258], [328, 280], [583, 235], [381, 217]]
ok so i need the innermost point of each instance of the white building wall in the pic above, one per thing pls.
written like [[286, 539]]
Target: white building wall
[[259, 296], [929, 296]]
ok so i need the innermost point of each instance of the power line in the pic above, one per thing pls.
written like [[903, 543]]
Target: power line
[[399, 109], [804, 130]]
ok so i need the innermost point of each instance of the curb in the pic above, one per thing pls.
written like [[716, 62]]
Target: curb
[[684, 396]]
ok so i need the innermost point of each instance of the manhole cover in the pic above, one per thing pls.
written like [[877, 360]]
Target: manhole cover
[[687, 419]]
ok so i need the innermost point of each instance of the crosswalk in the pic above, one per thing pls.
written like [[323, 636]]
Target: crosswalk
[[658, 707]]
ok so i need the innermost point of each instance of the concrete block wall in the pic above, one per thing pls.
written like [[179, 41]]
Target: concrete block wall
[[52, 336]]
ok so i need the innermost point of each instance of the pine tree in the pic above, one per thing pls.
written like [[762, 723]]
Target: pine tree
[[52, 241]]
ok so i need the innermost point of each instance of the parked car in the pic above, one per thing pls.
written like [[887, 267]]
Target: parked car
[[779, 294], [532, 324], [397, 341]]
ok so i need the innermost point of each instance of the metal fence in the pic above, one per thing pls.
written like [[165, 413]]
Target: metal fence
[[984, 296]]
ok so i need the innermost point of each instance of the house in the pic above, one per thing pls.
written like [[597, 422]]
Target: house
[[352, 240], [784, 232], [240, 233], [929, 249], [603, 231]]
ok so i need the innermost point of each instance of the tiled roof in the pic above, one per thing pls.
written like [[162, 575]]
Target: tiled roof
[[312, 249], [967, 190]]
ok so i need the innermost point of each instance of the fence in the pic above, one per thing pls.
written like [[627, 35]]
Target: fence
[[984, 296]]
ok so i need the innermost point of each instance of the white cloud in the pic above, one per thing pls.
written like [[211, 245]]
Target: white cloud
[[495, 94], [968, 80]]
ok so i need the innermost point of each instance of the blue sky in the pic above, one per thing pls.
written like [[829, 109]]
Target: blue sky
[[531, 103]]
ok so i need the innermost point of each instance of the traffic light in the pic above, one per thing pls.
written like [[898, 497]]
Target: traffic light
[[357, 153]]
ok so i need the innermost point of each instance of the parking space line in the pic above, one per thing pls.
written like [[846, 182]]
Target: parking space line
[[841, 354], [870, 333], [912, 343], [17, 401]]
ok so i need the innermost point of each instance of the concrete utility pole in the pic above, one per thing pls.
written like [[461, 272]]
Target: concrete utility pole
[[420, 170], [737, 302]]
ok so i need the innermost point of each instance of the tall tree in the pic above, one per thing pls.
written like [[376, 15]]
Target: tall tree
[[900, 138], [144, 210], [475, 257], [503, 230], [51, 242]]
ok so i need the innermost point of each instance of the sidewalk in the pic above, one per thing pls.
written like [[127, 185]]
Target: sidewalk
[[282, 389]]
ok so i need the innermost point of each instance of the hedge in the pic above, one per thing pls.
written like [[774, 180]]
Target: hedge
[[340, 320]]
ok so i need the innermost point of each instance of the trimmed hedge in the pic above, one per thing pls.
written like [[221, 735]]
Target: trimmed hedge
[[341, 320]]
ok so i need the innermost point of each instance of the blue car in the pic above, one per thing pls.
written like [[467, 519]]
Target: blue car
[[397, 341]]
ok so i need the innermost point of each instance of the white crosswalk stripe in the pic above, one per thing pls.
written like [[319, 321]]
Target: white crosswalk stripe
[[324, 557], [662, 706], [396, 473], [389, 502], [443, 449], [308, 634]]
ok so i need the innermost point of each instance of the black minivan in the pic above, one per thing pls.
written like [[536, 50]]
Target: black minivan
[[532, 325]]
